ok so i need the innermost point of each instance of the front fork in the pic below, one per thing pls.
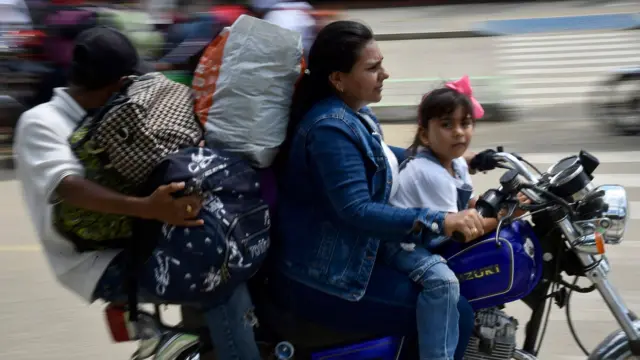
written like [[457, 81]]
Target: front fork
[[596, 269]]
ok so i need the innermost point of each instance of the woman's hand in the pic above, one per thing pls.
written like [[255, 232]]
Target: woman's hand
[[467, 222]]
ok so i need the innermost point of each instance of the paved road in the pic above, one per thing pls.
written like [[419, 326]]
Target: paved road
[[43, 321], [540, 75], [555, 69], [418, 66]]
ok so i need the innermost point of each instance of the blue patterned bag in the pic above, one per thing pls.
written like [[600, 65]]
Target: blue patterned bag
[[200, 263]]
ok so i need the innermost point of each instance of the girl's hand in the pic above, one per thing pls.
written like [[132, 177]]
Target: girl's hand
[[522, 199]]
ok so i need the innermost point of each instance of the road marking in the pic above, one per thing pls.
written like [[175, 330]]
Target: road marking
[[563, 49], [517, 38], [551, 90], [541, 63], [580, 55], [560, 70], [620, 38], [555, 80], [20, 248]]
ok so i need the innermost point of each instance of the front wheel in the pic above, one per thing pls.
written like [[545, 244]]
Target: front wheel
[[615, 346]]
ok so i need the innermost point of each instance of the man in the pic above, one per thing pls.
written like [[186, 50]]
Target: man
[[49, 172]]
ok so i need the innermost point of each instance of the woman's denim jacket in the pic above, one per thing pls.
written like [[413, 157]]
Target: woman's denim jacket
[[332, 207]]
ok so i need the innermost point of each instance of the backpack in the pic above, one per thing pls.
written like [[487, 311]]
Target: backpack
[[231, 245], [120, 146]]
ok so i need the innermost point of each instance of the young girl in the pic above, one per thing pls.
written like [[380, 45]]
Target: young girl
[[436, 176]]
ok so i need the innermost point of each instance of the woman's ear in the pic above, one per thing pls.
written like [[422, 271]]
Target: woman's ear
[[336, 81]]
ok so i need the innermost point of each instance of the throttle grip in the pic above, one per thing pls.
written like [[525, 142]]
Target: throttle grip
[[458, 236]]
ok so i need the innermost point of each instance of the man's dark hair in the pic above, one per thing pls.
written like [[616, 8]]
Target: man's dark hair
[[101, 57]]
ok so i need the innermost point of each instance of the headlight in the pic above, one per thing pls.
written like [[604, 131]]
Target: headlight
[[614, 219]]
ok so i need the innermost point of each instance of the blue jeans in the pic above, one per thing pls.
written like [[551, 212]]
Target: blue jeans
[[230, 320], [436, 309]]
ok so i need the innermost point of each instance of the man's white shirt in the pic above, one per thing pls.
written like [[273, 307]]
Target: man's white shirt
[[43, 158]]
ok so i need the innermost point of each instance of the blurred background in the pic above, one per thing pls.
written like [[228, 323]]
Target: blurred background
[[554, 77]]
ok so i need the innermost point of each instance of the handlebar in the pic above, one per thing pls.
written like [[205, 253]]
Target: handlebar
[[522, 169], [518, 165]]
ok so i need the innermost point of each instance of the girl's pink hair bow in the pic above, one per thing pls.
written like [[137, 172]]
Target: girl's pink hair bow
[[463, 86]]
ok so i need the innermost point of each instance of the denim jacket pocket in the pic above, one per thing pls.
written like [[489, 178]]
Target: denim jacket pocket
[[319, 267]]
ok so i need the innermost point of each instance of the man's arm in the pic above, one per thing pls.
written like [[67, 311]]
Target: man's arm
[[47, 162], [86, 194]]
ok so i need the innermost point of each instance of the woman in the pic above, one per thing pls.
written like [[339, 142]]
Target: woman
[[336, 179]]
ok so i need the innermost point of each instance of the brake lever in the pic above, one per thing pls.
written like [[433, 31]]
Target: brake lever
[[505, 219]]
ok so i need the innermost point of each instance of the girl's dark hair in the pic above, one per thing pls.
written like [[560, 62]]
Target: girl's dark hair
[[336, 48], [439, 104]]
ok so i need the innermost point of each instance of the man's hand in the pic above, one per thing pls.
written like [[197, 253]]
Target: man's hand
[[467, 222], [162, 206]]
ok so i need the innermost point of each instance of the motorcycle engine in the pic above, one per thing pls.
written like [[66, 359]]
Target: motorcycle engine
[[494, 337]]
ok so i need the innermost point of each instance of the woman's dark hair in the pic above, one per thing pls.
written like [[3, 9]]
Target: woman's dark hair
[[336, 48], [439, 104]]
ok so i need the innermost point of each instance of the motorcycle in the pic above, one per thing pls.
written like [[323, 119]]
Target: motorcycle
[[568, 223], [620, 108]]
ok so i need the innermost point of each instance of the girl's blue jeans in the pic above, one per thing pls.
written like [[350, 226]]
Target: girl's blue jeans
[[437, 312]]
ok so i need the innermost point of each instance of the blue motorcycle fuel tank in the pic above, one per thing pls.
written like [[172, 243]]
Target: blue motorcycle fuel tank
[[494, 272]]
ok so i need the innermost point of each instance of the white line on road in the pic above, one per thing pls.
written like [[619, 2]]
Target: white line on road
[[619, 39], [581, 55], [570, 36], [541, 63], [555, 80], [533, 102], [550, 90], [560, 70], [563, 49]]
